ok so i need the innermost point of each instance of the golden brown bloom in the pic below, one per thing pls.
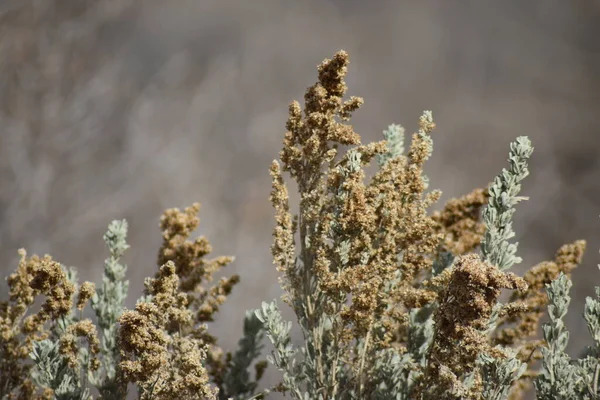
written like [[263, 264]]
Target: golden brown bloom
[[155, 356], [69, 347], [86, 291], [34, 276], [464, 311], [188, 257], [460, 221], [194, 272]]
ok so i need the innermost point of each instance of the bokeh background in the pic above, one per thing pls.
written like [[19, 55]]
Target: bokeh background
[[122, 108]]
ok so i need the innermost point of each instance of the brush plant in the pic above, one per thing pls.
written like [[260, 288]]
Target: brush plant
[[393, 300]]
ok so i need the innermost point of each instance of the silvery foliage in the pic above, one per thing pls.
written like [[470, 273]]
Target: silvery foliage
[[420, 332], [590, 364], [283, 355], [559, 379], [396, 374], [237, 384], [108, 303], [394, 135], [444, 261], [497, 216], [51, 370], [592, 316], [428, 118], [498, 375]]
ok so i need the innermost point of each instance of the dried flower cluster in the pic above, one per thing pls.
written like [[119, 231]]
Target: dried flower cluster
[[163, 362], [50, 336], [394, 301]]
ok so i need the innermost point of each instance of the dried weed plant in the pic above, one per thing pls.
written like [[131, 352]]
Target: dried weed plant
[[394, 301]]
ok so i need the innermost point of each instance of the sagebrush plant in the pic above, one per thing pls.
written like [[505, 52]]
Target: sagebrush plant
[[393, 301]]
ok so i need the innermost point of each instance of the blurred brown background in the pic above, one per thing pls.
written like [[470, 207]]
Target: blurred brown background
[[121, 108]]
